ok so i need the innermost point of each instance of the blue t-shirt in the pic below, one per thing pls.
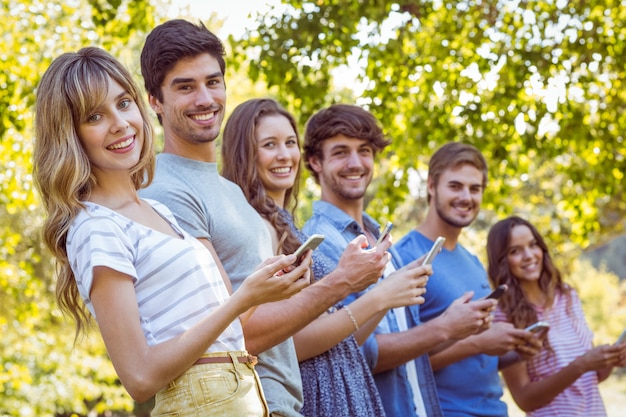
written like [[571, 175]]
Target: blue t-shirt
[[339, 229], [472, 386]]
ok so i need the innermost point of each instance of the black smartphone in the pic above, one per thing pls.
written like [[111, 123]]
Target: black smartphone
[[434, 250], [384, 232], [498, 292]]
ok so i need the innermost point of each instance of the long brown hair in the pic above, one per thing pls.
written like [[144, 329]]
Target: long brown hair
[[70, 89], [514, 303], [239, 155]]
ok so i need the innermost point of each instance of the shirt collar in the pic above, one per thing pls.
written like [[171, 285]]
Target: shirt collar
[[342, 221]]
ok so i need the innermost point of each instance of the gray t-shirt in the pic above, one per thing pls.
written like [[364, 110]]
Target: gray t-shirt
[[209, 206]]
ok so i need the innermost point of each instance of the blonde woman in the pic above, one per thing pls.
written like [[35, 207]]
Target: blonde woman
[[164, 310]]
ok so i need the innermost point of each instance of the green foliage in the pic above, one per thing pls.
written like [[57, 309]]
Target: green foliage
[[536, 85], [41, 373], [603, 299], [471, 71]]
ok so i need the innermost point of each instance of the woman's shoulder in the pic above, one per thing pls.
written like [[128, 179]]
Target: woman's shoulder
[[567, 297], [159, 207], [566, 291], [96, 216]]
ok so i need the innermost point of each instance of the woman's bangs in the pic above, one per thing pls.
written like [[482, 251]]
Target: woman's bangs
[[88, 91]]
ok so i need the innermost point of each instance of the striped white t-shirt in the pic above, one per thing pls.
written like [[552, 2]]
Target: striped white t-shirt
[[569, 337], [176, 280]]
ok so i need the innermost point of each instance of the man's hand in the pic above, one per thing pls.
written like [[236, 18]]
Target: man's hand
[[464, 317], [358, 268], [501, 338]]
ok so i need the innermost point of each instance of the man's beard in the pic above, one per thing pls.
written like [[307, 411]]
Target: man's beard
[[449, 219]]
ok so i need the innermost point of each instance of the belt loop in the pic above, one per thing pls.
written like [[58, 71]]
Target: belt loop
[[172, 384], [235, 360]]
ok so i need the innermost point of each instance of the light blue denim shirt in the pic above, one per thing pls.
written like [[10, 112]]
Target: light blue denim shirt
[[340, 229]]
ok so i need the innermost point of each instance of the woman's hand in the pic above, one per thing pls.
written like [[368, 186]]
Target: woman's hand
[[403, 287], [599, 357], [277, 278]]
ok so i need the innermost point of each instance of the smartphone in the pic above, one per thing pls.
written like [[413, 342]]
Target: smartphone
[[621, 339], [538, 327], [498, 292], [311, 243], [384, 233], [434, 250]]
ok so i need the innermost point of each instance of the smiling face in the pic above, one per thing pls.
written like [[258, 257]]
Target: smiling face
[[194, 97], [525, 256], [344, 170], [278, 155], [112, 134], [458, 195]]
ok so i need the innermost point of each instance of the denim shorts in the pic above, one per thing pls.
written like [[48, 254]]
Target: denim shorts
[[213, 389]]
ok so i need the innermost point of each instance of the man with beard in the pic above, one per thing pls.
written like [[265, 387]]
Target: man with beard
[[183, 69], [466, 372], [340, 145]]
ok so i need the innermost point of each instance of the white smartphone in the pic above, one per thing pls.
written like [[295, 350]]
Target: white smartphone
[[538, 327], [621, 339], [434, 250], [384, 232], [311, 243]]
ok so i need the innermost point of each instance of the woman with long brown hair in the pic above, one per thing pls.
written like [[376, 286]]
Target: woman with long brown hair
[[261, 153], [562, 379]]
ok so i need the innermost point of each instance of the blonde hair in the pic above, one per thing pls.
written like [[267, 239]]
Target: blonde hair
[[71, 88]]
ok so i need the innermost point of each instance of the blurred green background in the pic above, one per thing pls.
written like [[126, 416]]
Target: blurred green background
[[538, 86]]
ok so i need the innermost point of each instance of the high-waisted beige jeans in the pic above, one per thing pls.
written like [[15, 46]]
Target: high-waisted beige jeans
[[213, 389]]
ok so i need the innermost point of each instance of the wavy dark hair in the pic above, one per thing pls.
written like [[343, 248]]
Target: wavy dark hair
[[514, 303], [239, 155]]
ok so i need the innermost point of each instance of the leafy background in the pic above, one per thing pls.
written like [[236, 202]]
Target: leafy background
[[538, 86]]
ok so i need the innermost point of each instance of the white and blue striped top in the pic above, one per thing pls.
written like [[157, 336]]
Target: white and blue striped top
[[176, 280]]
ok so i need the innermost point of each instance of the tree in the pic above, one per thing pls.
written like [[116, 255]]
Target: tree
[[536, 85], [602, 298], [41, 373]]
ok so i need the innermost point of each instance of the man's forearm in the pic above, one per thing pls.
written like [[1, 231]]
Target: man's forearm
[[395, 349], [273, 323], [457, 351]]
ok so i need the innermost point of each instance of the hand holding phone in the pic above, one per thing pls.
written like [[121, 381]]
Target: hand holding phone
[[434, 250], [498, 292], [538, 327], [311, 243], [384, 232]]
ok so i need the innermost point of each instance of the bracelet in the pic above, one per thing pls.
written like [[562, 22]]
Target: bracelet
[[356, 325]]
